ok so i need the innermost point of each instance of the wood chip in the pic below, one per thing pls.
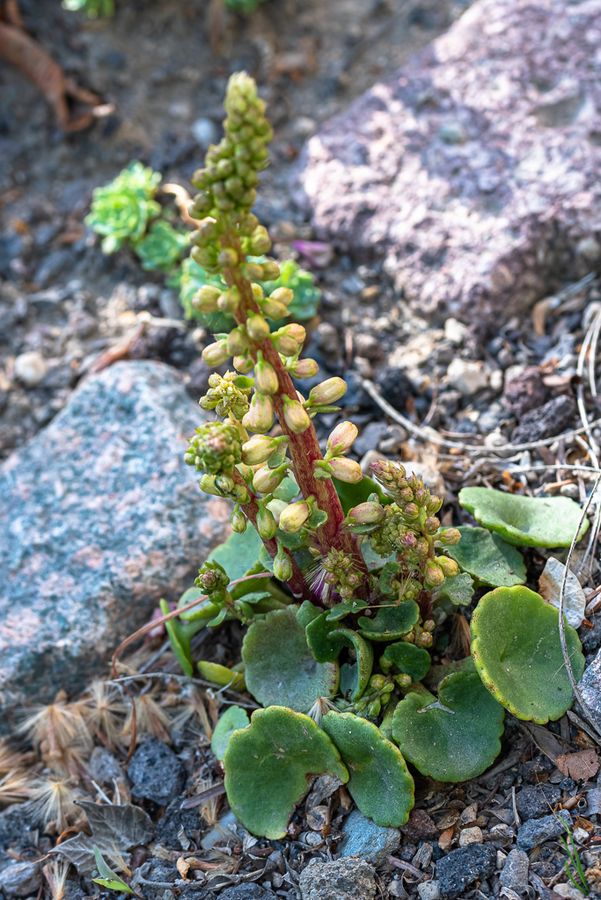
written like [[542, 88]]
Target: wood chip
[[580, 766]]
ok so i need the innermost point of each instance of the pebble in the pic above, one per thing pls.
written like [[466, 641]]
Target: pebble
[[515, 871], [246, 892], [222, 833], [429, 890], [468, 376], [156, 773], [545, 421], [549, 585], [205, 132], [342, 879], [20, 879], [103, 766], [568, 890], [30, 368], [470, 836], [370, 437], [463, 867], [362, 837], [537, 800], [455, 331], [589, 687], [537, 831], [396, 387], [393, 439]]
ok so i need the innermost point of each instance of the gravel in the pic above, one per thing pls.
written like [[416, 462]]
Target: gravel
[[547, 828], [156, 772], [362, 837], [462, 868], [341, 879]]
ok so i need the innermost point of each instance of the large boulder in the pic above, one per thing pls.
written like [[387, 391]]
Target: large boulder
[[475, 170], [101, 518]]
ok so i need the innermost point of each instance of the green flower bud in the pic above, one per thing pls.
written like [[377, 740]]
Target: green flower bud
[[282, 295], [368, 513], [266, 480], [296, 417], [294, 516], [239, 520], [243, 363], [377, 682], [448, 566], [424, 639], [259, 417], [257, 328], [260, 242], [329, 391], [229, 301], [266, 523], [227, 258], [258, 449], [215, 448], [433, 505], [205, 300], [342, 438], [403, 681], [282, 565], [429, 625], [266, 378], [411, 511], [274, 310], [237, 341], [347, 470], [289, 339], [304, 368], [271, 270], [212, 578], [433, 574], [449, 536], [374, 708], [254, 272], [258, 292], [216, 354]]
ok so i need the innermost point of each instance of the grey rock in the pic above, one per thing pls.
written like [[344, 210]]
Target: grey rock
[[468, 376], [30, 368], [547, 828], [342, 879], [20, 879], [534, 800], [514, 874], [177, 826], [370, 437], [362, 837], [103, 766], [102, 518], [224, 832], [156, 773], [247, 892], [205, 132], [17, 829], [474, 170], [545, 421], [590, 688], [461, 868], [525, 391], [429, 890]]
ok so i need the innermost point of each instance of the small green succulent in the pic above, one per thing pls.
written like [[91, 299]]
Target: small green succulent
[[122, 210], [95, 9], [162, 247]]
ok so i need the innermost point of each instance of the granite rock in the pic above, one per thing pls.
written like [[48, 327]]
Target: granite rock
[[547, 828], [341, 879], [461, 868], [102, 519], [475, 168]]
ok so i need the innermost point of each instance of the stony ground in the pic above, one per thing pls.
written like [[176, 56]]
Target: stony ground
[[422, 387]]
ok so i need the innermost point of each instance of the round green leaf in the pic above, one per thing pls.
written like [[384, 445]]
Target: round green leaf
[[380, 783], [531, 521], [455, 737], [268, 764], [279, 666], [232, 719], [407, 659], [327, 640], [390, 622], [487, 557], [517, 651], [457, 589]]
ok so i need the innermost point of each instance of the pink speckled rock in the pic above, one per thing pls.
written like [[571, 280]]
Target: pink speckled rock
[[475, 170], [101, 518]]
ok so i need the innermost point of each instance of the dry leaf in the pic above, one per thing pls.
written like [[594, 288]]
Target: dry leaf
[[183, 867], [580, 766], [446, 838]]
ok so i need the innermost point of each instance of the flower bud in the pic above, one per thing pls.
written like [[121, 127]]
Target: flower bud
[[259, 417], [258, 292], [282, 295], [237, 341], [448, 566], [294, 516], [205, 299], [304, 368], [271, 270], [282, 565], [239, 520], [243, 363], [374, 708], [329, 391], [274, 310], [229, 301], [296, 417], [411, 511], [433, 574], [347, 470], [258, 449], [227, 258], [342, 438], [403, 681], [368, 513], [260, 242], [254, 271], [266, 378], [433, 505], [449, 536], [289, 339], [257, 328], [266, 480], [424, 639], [377, 682], [266, 523], [429, 625], [216, 354], [431, 525]]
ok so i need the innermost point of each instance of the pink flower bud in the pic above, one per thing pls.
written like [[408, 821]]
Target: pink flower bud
[[289, 339], [304, 368], [295, 416], [216, 354], [433, 574], [329, 391], [347, 470], [259, 417], [294, 516], [342, 438], [266, 480], [368, 513]]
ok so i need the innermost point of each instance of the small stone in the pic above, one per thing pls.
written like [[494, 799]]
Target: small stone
[[537, 831], [452, 133], [326, 336], [549, 585], [20, 879], [396, 387], [455, 331], [369, 437], [156, 772], [545, 421], [205, 132], [525, 390], [177, 826], [103, 766], [515, 871], [250, 891], [393, 439], [30, 368], [470, 836], [342, 879], [224, 832], [429, 890], [362, 837], [536, 800], [369, 346], [463, 867], [590, 687], [420, 826], [567, 890], [468, 376]]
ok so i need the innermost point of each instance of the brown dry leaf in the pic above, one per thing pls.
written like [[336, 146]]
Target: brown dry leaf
[[580, 766], [446, 838], [183, 867]]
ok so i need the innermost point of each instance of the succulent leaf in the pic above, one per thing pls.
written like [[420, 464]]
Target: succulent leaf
[[517, 652], [488, 558], [327, 639], [232, 719], [452, 738], [457, 589], [407, 659], [239, 553], [527, 521], [390, 622], [379, 783], [268, 764], [279, 666]]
